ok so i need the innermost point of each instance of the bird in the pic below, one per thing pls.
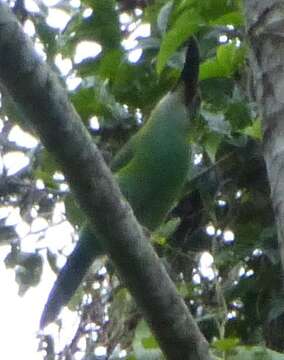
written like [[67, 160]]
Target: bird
[[151, 170]]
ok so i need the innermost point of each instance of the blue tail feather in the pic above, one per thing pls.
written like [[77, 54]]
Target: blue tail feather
[[71, 275]]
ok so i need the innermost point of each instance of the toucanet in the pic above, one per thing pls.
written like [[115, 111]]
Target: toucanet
[[151, 170]]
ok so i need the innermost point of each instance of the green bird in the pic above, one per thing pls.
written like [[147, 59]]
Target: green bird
[[151, 170]]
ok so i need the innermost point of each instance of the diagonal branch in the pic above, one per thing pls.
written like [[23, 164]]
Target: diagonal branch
[[45, 103]]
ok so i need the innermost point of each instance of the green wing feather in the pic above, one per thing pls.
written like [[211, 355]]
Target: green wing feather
[[151, 170]]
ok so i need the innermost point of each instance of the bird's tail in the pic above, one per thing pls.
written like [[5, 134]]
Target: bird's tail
[[70, 276], [190, 71]]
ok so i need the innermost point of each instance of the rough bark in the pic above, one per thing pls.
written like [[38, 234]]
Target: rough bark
[[45, 103], [265, 32], [265, 29]]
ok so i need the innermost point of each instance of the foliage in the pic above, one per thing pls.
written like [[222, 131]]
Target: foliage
[[224, 212]]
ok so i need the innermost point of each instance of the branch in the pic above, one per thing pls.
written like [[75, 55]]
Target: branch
[[45, 103]]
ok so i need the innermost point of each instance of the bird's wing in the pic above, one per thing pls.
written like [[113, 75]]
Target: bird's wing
[[124, 155]]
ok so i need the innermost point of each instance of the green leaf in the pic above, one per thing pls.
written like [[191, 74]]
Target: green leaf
[[254, 353], [247, 235], [85, 103], [212, 142], [102, 26], [168, 228], [216, 9], [231, 56], [211, 69], [150, 343], [104, 23], [139, 86], [238, 115], [48, 163], [183, 289], [217, 92], [110, 64], [95, 98], [46, 169], [225, 57], [226, 344], [254, 131], [161, 235], [46, 34], [228, 59], [163, 17], [186, 24], [105, 65], [73, 212], [233, 18], [144, 345], [76, 299]]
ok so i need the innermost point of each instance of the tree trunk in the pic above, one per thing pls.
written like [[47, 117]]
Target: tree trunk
[[265, 31]]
